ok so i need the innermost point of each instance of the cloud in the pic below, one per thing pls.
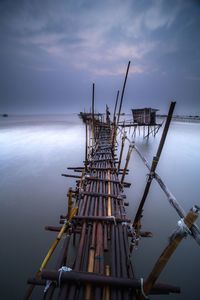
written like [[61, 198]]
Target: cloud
[[98, 38], [156, 17], [86, 36]]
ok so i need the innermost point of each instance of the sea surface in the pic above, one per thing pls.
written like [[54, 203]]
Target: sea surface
[[36, 150]]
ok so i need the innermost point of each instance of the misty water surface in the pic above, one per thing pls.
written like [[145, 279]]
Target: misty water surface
[[36, 150]]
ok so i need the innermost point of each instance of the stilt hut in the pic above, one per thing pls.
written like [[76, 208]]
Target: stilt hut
[[144, 116]]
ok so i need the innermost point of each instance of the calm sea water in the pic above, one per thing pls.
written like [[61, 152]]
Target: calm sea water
[[36, 150]]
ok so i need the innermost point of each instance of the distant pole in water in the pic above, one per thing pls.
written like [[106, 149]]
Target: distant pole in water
[[122, 95], [154, 164]]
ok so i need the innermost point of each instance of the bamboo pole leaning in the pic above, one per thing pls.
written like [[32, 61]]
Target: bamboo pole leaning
[[174, 241], [154, 164], [121, 151], [122, 95], [171, 198], [131, 146], [63, 229]]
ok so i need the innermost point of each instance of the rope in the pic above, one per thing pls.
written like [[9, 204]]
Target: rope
[[182, 230], [150, 176], [114, 219], [124, 223], [99, 257], [183, 227], [48, 283], [142, 289], [61, 270]]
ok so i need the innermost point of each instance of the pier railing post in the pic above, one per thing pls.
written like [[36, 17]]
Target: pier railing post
[[116, 102], [175, 240], [93, 121], [154, 164], [86, 145], [70, 202], [131, 146], [121, 151]]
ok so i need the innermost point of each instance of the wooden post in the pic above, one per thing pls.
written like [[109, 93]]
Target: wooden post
[[131, 146], [93, 87], [154, 164], [122, 95], [114, 127], [169, 250], [70, 202], [109, 199], [116, 102], [121, 151], [106, 291]]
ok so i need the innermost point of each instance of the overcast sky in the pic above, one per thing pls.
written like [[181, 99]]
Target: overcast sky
[[51, 52]]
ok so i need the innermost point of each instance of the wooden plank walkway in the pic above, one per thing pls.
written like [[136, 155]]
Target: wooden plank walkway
[[97, 230], [94, 261], [103, 246]]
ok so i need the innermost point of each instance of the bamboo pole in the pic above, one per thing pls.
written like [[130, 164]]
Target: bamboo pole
[[169, 250], [102, 280], [109, 198], [49, 254], [116, 102], [122, 95], [86, 145], [70, 202], [121, 151], [131, 146], [93, 126], [154, 164], [106, 295], [171, 198]]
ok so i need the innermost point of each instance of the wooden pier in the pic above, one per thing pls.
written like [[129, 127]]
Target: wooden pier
[[97, 230]]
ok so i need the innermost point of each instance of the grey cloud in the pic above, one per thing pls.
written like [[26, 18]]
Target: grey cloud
[[86, 40]]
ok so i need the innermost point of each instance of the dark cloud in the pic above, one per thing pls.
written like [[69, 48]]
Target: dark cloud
[[51, 52]]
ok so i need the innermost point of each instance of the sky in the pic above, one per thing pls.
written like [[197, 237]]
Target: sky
[[52, 51]]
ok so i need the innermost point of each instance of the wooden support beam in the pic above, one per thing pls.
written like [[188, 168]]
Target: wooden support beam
[[102, 280], [70, 202], [93, 121], [116, 102], [108, 218], [125, 184], [71, 176], [86, 145], [131, 146], [121, 151], [95, 194]]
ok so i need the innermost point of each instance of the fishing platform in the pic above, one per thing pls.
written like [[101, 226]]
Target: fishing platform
[[96, 227]]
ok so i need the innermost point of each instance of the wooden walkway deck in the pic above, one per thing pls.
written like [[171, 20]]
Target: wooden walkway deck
[[96, 228]]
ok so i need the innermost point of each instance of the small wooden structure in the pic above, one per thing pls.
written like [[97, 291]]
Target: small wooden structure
[[144, 116]]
